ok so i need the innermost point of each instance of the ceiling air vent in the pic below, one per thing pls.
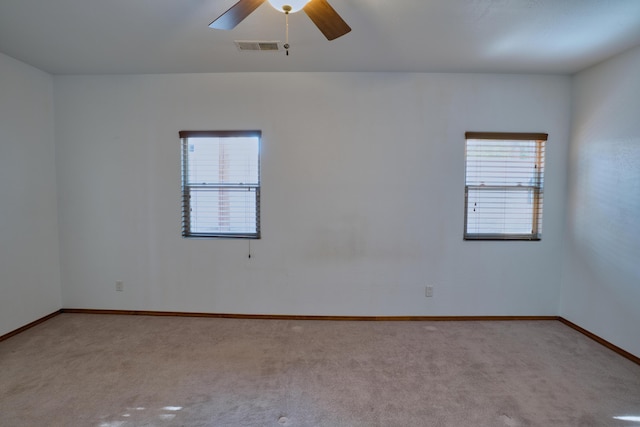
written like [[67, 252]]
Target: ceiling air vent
[[258, 46]]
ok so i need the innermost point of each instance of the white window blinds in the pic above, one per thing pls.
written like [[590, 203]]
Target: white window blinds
[[220, 183], [504, 180]]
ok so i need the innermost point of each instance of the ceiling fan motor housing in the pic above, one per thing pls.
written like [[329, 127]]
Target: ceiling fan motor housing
[[288, 6]]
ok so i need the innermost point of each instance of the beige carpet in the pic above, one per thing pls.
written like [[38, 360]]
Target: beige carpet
[[117, 371]]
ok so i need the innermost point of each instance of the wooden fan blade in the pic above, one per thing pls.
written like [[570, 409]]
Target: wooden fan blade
[[326, 19], [235, 14]]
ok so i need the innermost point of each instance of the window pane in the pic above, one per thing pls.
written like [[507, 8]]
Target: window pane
[[502, 162], [223, 211], [229, 160], [500, 211]]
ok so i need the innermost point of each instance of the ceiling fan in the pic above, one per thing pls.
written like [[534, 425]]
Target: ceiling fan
[[319, 11]]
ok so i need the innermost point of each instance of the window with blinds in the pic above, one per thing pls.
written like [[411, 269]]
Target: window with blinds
[[504, 180], [221, 184]]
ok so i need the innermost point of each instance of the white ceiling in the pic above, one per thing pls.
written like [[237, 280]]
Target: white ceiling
[[172, 36]]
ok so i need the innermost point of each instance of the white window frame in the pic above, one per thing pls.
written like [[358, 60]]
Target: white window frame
[[223, 187], [504, 198]]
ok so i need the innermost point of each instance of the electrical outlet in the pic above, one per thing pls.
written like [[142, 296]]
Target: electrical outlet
[[119, 286], [428, 291]]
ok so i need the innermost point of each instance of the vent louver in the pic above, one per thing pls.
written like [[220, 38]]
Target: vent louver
[[258, 46]]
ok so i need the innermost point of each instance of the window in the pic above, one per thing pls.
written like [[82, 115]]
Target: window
[[221, 184], [504, 179]]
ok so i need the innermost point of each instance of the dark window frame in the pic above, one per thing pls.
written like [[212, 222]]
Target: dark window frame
[[535, 188], [188, 188]]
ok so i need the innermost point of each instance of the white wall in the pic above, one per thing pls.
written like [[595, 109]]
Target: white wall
[[29, 264], [362, 199], [601, 278]]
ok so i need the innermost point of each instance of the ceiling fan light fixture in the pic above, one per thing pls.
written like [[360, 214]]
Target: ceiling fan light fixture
[[293, 5]]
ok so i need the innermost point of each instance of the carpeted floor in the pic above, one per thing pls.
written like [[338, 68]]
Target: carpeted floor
[[117, 371]]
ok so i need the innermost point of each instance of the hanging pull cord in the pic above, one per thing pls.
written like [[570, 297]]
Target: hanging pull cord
[[286, 42]]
